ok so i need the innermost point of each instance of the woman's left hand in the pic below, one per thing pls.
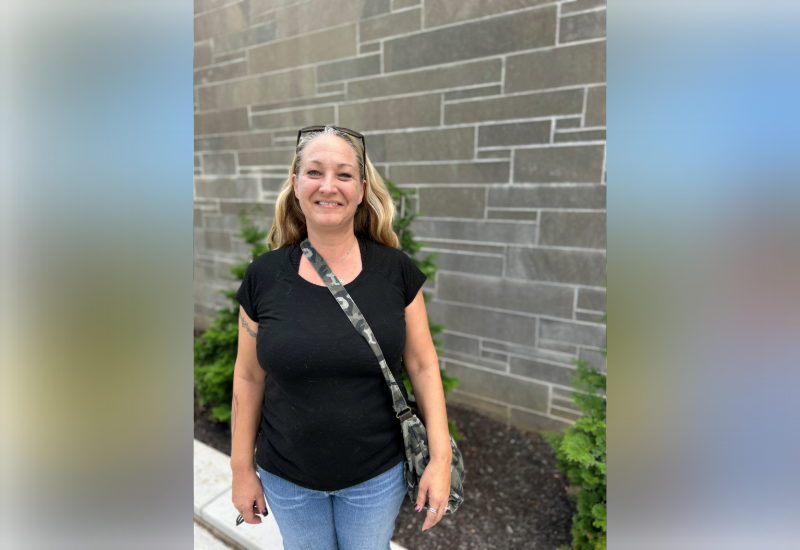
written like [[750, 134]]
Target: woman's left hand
[[434, 487]]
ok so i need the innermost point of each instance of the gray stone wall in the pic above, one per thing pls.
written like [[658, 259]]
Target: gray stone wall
[[494, 110]]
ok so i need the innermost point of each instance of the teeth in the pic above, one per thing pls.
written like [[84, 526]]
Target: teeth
[[321, 202]]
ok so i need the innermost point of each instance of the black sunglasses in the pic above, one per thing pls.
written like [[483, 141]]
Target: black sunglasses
[[357, 135]]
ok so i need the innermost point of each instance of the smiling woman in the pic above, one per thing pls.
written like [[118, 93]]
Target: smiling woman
[[308, 390]]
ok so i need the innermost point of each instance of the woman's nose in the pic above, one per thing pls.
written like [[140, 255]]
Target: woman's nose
[[328, 184]]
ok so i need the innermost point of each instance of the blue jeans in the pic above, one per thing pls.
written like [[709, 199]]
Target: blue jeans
[[356, 518]]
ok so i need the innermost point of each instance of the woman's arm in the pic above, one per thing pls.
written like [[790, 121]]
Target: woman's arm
[[422, 365], [248, 395]]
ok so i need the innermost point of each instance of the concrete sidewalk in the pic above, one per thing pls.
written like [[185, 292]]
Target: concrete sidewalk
[[214, 514]]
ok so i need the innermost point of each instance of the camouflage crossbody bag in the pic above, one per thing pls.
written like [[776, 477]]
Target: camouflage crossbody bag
[[414, 434]]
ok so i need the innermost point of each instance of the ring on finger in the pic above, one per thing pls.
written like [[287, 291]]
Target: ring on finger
[[433, 510]]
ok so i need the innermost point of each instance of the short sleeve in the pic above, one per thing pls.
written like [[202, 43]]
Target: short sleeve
[[413, 277], [247, 292]]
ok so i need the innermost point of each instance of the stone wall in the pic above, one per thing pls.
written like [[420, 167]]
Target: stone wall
[[494, 110]]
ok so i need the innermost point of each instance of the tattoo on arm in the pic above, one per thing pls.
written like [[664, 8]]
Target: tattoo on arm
[[246, 326], [233, 414]]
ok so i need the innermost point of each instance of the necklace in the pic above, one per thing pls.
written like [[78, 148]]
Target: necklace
[[341, 279]]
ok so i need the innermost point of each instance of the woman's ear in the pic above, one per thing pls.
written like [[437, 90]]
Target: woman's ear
[[363, 187], [294, 185]]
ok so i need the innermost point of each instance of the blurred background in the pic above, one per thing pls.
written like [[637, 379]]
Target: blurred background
[[491, 112]]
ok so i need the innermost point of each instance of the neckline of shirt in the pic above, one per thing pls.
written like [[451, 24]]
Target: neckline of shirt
[[362, 242]]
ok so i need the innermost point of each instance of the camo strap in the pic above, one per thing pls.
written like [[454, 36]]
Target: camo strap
[[414, 433]]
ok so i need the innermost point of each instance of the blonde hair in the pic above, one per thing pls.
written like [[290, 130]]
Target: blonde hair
[[373, 217]]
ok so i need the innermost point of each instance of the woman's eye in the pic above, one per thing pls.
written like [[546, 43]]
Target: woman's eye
[[345, 175], [312, 172]]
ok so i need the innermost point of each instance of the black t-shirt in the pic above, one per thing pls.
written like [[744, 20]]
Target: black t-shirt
[[327, 421]]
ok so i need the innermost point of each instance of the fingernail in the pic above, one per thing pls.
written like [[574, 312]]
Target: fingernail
[[264, 512], [417, 508]]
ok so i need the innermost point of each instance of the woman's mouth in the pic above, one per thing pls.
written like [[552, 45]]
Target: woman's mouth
[[329, 204]]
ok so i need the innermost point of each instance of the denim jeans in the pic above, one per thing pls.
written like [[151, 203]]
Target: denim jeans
[[356, 518]]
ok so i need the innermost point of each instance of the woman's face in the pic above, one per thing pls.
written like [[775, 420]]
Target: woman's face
[[327, 185]]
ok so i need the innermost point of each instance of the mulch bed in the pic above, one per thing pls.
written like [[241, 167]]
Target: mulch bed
[[515, 496]]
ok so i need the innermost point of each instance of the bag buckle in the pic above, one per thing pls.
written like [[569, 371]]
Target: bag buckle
[[405, 415]]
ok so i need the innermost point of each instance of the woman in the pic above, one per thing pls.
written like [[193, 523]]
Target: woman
[[330, 452]]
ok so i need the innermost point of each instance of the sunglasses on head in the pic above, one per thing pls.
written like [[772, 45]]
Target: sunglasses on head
[[357, 135]]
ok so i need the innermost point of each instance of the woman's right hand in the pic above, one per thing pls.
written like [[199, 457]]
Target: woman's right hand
[[247, 490]]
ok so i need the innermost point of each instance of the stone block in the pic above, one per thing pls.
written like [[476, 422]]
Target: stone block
[[202, 54], [581, 5], [462, 344], [562, 401], [197, 161], [220, 72], [219, 164], [556, 265], [463, 74], [572, 122], [389, 25], [218, 221], [331, 88], [257, 210], [198, 217], [509, 327], [260, 6], [485, 231], [499, 387], [443, 12], [231, 120], [454, 173], [436, 244], [369, 48], [474, 361], [594, 357], [585, 135], [306, 17], [470, 263], [426, 145], [400, 4], [272, 185], [592, 298], [349, 68], [274, 157], [250, 140], [495, 154], [500, 357], [583, 26], [559, 164], [497, 35], [218, 240], [296, 103], [595, 106], [453, 202], [560, 347], [226, 58], [492, 410], [564, 102], [227, 188], [297, 118], [518, 133], [208, 5], [387, 114], [212, 474], [536, 422], [593, 317], [313, 48], [482, 91], [539, 370], [573, 333], [583, 196], [253, 91], [222, 21], [507, 294], [565, 414], [536, 353], [578, 229], [557, 67], [257, 34], [522, 215]]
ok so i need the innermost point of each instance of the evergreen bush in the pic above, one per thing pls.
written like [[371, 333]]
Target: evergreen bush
[[215, 350], [581, 455]]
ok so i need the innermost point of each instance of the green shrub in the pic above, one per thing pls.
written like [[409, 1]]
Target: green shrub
[[581, 455], [215, 349]]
